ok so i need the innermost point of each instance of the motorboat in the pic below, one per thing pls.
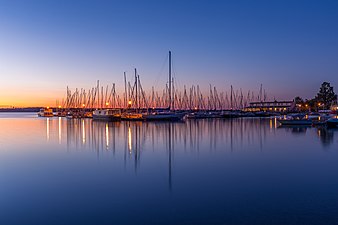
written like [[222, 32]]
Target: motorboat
[[295, 119], [46, 112], [107, 114]]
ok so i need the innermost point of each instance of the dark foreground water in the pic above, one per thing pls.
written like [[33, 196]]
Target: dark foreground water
[[240, 171]]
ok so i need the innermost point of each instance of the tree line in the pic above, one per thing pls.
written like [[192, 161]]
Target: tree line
[[325, 98]]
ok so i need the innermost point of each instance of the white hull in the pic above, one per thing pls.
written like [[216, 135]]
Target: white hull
[[107, 114]]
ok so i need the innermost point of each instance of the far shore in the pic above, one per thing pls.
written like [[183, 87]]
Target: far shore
[[28, 109]]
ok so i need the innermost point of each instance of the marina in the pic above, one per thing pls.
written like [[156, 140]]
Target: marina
[[136, 105], [168, 112]]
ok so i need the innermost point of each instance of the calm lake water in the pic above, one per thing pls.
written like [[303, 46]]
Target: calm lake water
[[218, 171]]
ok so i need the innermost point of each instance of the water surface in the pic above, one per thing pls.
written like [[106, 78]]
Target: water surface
[[218, 171]]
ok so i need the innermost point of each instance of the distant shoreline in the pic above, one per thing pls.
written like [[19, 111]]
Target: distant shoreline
[[31, 109]]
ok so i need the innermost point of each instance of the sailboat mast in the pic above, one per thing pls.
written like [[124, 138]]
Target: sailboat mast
[[169, 80], [136, 100], [125, 91], [231, 98]]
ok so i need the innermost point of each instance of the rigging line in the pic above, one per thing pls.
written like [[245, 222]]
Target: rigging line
[[160, 73], [176, 80]]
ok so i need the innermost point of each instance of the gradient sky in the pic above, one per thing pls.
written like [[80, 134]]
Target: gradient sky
[[290, 47]]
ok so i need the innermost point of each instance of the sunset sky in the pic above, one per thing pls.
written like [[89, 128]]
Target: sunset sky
[[290, 47]]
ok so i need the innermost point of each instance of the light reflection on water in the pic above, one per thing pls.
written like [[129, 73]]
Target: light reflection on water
[[191, 135], [218, 171]]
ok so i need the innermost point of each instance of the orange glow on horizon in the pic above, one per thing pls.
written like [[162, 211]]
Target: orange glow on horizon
[[30, 96]]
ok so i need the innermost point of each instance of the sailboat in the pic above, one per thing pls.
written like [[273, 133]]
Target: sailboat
[[165, 115], [133, 114]]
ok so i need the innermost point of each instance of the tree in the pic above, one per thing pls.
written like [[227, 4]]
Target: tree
[[326, 95], [299, 100]]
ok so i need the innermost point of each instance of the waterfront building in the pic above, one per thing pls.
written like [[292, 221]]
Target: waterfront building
[[272, 106]]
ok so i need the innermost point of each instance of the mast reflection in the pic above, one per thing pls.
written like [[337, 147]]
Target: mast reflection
[[191, 136]]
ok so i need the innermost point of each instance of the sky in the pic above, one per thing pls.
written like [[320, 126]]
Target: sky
[[290, 47]]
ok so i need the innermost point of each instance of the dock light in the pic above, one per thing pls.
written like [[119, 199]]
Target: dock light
[[47, 107], [83, 105], [59, 106], [107, 103], [129, 102]]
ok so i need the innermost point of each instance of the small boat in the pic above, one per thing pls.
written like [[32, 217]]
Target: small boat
[[46, 112], [168, 116], [107, 114], [60, 114], [332, 123], [295, 119]]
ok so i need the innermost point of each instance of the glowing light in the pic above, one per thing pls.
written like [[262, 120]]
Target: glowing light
[[107, 136], [59, 106], [275, 122], [83, 132], [83, 105], [47, 107], [129, 139], [107, 103]]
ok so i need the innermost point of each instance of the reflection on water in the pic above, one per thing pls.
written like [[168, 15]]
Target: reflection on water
[[326, 136], [192, 135], [212, 171], [47, 128]]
